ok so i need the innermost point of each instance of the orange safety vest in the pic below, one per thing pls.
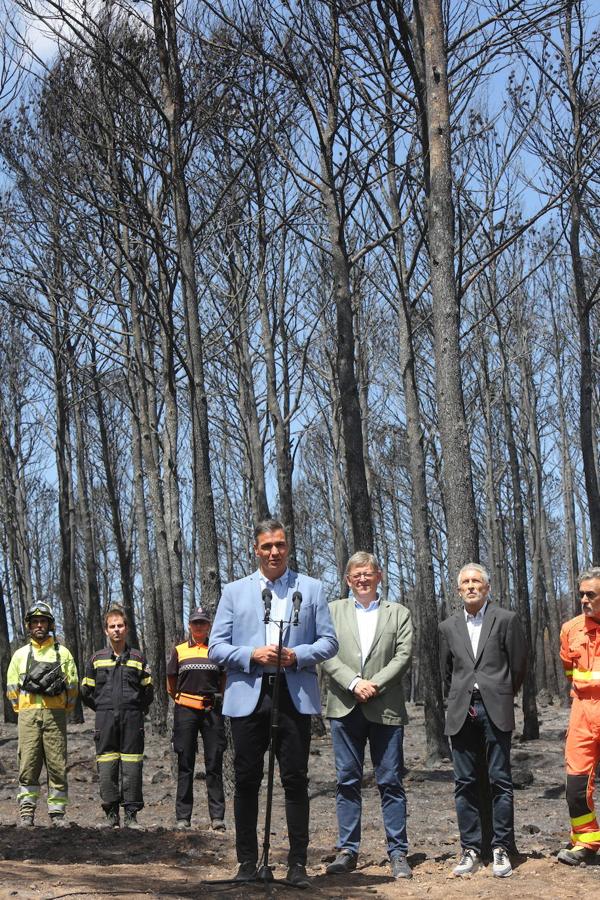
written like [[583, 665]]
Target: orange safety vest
[[580, 655], [198, 677]]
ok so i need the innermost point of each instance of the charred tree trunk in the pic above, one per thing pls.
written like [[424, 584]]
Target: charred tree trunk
[[166, 38], [358, 490], [459, 500], [154, 644], [278, 390], [94, 632], [239, 331], [430, 679], [531, 728], [587, 435], [5, 655], [122, 547]]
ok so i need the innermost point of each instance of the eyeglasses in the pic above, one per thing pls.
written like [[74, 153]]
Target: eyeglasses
[[362, 576]]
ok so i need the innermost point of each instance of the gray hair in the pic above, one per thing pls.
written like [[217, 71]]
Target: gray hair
[[482, 571], [588, 575], [362, 558]]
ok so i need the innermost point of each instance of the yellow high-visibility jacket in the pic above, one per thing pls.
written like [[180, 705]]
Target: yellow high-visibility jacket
[[44, 652]]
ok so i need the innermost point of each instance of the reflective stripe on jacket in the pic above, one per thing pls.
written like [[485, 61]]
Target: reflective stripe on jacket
[[117, 682], [580, 655], [46, 653], [192, 677]]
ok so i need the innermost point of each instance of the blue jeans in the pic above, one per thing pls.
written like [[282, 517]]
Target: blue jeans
[[350, 735], [480, 732]]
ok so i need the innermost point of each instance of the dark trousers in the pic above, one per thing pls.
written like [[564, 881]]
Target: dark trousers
[[480, 734], [186, 726], [251, 740], [119, 738]]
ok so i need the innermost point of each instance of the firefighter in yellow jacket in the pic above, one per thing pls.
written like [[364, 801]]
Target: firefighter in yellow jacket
[[195, 683], [42, 686], [580, 654]]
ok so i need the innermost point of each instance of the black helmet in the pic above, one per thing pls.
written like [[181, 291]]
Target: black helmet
[[40, 609]]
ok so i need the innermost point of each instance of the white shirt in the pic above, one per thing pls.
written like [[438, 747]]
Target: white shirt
[[279, 592], [474, 624], [366, 622]]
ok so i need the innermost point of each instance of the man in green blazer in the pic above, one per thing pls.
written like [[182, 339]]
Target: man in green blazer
[[365, 702]]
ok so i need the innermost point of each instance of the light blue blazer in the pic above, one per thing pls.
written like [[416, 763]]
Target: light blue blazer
[[239, 627]]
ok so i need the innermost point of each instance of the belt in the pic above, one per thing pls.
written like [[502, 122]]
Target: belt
[[476, 696], [268, 681]]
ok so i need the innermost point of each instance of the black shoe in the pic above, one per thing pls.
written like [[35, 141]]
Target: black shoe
[[131, 821], [344, 862], [246, 872], [574, 856], [400, 866], [296, 875], [112, 818]]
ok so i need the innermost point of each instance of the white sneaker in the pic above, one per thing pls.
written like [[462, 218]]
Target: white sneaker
[[501, 867], [469, 863]]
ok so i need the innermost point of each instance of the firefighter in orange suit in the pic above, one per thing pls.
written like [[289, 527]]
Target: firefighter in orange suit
[[196, 683], [580, 653]]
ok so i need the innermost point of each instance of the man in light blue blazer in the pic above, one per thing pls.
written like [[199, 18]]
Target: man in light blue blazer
[[247, 648]]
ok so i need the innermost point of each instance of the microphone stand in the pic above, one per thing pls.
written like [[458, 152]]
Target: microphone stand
[[265, 872]]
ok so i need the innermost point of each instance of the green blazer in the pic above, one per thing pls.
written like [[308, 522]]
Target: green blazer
[[385, 664]]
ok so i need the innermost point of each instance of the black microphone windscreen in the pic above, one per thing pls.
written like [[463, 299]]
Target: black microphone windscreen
[[267, 597], [296, 603]]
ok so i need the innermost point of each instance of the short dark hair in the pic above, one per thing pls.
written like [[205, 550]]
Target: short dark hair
[[267, 525], [115, 610]]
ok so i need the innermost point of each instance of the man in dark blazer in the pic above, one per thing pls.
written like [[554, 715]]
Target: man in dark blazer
[[483, 655]]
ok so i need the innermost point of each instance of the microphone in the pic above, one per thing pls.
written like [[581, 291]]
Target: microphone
[[267, 596], [296, 601]]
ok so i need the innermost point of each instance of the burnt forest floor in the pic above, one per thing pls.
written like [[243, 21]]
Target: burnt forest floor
[[92, 862]]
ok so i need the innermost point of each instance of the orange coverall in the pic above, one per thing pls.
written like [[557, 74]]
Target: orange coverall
[[580, 654]]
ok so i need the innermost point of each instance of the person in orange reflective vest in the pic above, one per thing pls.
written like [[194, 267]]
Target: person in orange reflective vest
[[580, 654], [196, 684]]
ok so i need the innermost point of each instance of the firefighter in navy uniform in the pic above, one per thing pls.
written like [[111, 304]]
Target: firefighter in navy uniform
[[118, 686], [195, 683]]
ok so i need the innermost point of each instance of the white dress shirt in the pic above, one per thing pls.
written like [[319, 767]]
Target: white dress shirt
[[474, 624], [279, 592], [366, 622]]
